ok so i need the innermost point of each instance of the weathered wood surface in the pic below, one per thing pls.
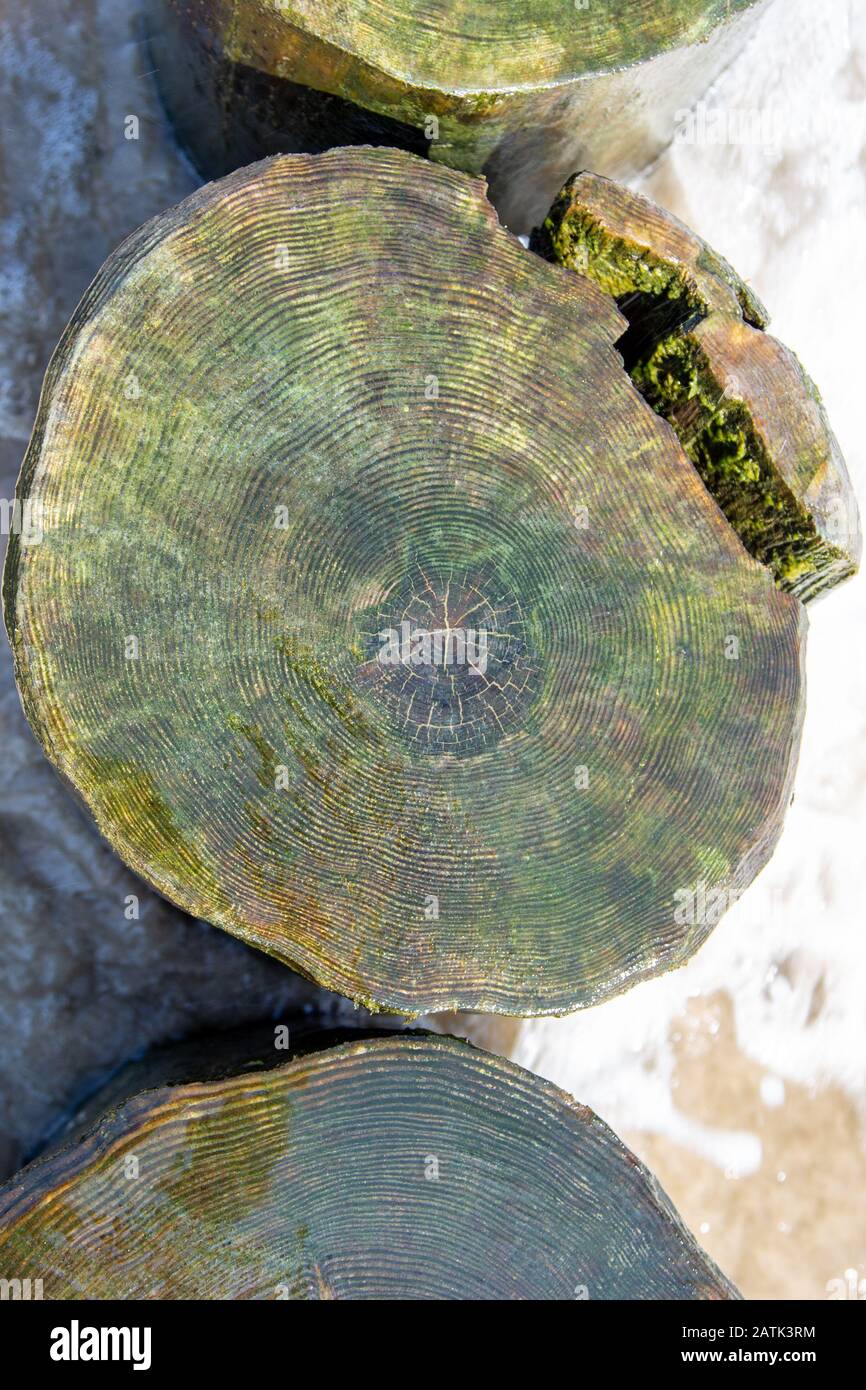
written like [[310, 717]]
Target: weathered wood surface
[[328, 396], [748, 416], [523, 92], [407, 1167]]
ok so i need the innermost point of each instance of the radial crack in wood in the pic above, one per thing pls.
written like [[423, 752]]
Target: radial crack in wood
[[377, 618], [746, 413], [410, 1167]]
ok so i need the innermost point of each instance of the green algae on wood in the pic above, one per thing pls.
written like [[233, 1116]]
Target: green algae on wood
[[406, 1167], [754, 426], [748, 416], [316, 402], [521, 90], [630, 246]]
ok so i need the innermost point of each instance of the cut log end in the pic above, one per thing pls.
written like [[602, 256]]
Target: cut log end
[[405, 1167], [377, 632], [461, 49], [520, 92]]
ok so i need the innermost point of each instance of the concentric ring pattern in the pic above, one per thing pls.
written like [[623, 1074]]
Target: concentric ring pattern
[[466, 46], [410, 1167], [327, 397]]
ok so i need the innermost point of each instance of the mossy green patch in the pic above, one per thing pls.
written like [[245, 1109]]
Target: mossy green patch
[[618, 267], [695, 330], [720, 438], [217, 1153], [127, 796], [631, 248]]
